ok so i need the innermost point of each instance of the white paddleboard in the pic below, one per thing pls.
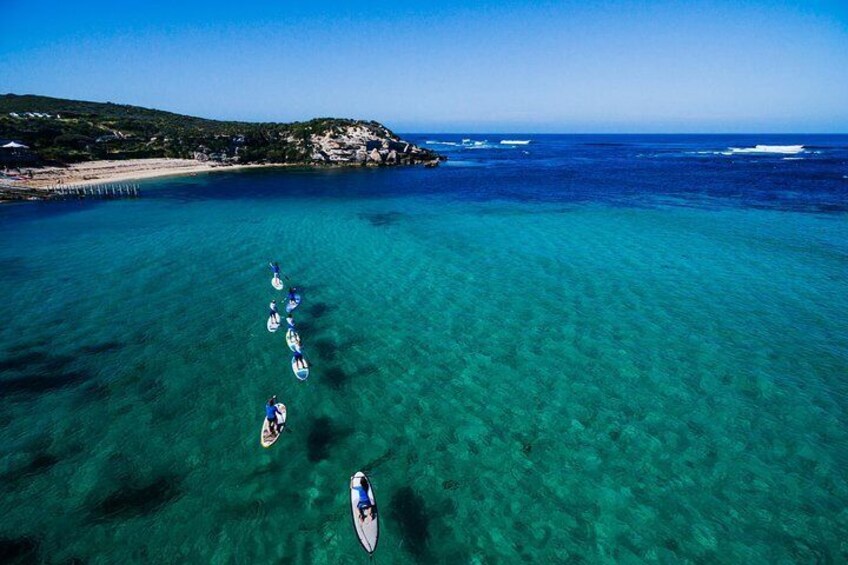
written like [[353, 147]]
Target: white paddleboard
[[273, 323], [291, 305], [292, 339], [277, 283], [301, 374], [368, 530], [267, 439]]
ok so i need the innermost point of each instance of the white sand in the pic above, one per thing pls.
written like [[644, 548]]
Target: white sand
[[121, 171]]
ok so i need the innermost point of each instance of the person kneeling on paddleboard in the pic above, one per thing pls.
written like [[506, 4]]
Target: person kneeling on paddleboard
[[274, 315], [364, 500], [271, 413], [292, 297], [275, 268]]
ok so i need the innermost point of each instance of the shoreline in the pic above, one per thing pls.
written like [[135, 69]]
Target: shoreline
[[98, 172]]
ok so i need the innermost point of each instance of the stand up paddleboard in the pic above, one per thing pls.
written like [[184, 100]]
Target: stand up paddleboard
[[292, 339], [368, 530], [267, 439], [273, 323], [291, 305], [301, 374], [277, 283]]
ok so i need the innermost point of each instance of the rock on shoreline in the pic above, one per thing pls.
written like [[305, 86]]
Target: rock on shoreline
[[366, 143]]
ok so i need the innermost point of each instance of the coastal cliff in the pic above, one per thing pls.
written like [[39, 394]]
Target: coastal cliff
[[367, 143], [42, 131]]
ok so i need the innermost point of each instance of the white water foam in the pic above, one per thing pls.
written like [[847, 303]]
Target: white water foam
[[465, 143], [515, 142], [764, 149]]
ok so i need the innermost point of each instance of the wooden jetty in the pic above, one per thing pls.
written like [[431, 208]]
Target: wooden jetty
[[108, 191]]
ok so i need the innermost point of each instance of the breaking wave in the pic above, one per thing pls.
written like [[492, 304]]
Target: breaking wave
[[765, 149], [515, 141], [465, 143]]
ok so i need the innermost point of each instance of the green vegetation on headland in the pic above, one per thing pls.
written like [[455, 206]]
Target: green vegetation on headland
[[59, 131]]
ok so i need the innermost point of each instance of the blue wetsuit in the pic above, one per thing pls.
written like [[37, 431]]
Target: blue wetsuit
[[364, 500], [271, 412], [275, 268]]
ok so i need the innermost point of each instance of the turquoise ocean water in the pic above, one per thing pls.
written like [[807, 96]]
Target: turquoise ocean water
[[616, 373]]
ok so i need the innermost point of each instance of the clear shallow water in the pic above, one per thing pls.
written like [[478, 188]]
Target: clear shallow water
[[574, 354]]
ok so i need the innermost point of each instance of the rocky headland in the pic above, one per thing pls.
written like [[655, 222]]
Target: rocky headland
[[47, 142]]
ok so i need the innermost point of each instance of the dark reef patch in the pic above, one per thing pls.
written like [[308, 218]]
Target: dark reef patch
[[56, 363], [381, 219], [330, 350], [19, 550], [153, 389], [326, 349], [319, 309], [322, 436], [105, 347], [23, 361], [409, 513], [41, 463], [29, 346], [336, 377], [134, 499], [14, 267], [39, 383], [38, 372]]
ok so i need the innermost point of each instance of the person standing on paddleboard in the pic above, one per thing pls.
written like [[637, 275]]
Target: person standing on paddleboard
[[271, 413], [299, 361], [364, 500]]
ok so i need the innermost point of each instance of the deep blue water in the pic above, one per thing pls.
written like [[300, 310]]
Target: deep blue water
[[637, 170]]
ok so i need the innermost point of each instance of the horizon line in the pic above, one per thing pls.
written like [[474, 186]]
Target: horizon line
[[618, 133], [433, 132]]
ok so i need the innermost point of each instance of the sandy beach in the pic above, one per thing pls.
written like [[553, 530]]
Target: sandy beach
[[95, 172]]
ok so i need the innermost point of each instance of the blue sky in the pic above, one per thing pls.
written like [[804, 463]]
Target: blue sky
[[440, 66]]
